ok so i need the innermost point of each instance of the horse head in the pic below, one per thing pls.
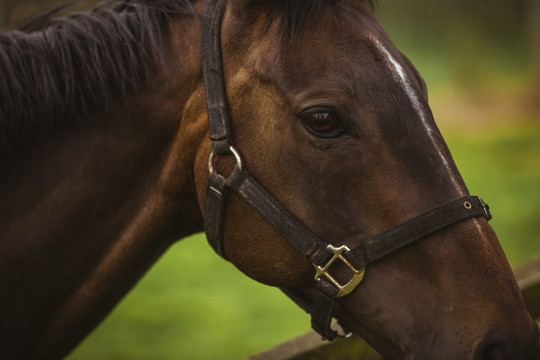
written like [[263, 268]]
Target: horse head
[[333, 121]]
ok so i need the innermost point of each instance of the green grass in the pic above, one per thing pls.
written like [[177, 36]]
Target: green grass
[[194, 305]]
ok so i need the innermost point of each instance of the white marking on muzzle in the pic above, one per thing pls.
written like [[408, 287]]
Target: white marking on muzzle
[[402, 79]]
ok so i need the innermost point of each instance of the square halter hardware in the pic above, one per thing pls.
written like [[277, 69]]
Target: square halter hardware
[[356, 278]]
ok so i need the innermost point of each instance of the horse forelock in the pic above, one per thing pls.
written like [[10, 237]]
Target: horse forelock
[[78, 65], [293, 16]]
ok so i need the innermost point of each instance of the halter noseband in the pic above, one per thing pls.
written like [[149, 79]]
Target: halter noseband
[[319, 253]]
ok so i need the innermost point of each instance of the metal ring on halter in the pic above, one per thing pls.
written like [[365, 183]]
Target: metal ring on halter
[[233, 151]]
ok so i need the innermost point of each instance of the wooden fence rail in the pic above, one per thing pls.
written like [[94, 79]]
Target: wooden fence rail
[[528, 276], [310, 346]]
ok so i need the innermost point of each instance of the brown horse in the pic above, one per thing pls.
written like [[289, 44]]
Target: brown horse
[[105, 146]]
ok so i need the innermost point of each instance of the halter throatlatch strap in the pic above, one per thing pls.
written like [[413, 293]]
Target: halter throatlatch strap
[[320, 253]]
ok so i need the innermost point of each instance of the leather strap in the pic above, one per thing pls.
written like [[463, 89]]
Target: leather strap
[[218, 119], [216, 194], [322, 312], [417, 228], [214, 83], [298, 234]]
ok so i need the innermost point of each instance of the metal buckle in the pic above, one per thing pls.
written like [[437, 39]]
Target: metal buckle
[[233, 151], [485, 207], [356, 278]]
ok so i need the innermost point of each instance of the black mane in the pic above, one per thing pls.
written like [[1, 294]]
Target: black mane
[[75, 65]]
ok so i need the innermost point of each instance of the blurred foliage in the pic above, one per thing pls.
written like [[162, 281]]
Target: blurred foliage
[[471, 37], [503, 166]]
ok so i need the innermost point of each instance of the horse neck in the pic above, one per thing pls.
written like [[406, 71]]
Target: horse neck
[[93, 204], [137, 150]]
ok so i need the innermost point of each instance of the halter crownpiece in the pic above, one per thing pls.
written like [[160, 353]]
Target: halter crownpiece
[[321, 254]]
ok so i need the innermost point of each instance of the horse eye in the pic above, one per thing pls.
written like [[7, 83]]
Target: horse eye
[[323, 123]]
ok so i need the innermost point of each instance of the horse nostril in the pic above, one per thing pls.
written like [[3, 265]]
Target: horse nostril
[[491, 352], [503, 345]]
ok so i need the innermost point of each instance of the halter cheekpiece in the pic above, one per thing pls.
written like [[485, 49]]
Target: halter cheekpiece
[[319, 253]]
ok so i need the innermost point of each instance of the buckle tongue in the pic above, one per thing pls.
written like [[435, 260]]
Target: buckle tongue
[[357, 277], [487, 213]]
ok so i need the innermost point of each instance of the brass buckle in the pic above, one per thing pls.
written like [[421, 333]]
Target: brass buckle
[[357, 277]]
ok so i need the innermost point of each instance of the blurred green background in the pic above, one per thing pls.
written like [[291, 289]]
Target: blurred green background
[[480, 60]]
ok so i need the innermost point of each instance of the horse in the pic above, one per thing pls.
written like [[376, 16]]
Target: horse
[[112, 129]]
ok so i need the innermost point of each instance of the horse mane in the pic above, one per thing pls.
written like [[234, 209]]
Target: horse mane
[[77, 65]]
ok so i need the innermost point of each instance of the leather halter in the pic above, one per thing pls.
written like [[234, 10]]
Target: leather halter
[[317, 251]]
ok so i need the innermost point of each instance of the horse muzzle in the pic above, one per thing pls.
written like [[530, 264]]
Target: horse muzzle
[[503, 344]]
